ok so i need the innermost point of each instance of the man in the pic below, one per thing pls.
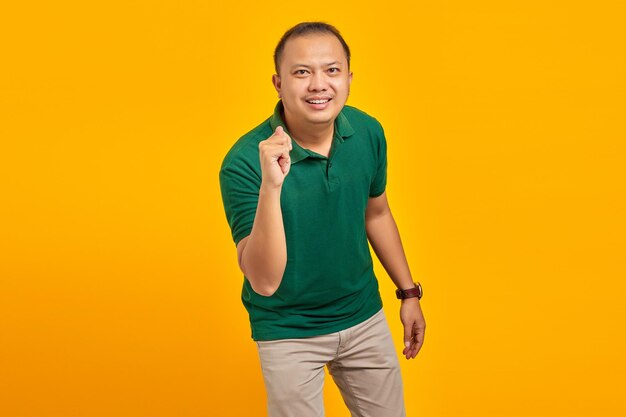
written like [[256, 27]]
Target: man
[[303, 192]]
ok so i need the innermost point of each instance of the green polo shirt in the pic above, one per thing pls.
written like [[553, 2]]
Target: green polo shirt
[[329, 282]]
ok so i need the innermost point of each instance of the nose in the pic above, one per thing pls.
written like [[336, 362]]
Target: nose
[[318, 81]]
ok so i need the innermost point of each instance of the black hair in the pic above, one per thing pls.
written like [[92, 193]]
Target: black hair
[[306, 28]]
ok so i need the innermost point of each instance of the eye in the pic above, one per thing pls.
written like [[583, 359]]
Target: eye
[[300, 72], [335, 70]]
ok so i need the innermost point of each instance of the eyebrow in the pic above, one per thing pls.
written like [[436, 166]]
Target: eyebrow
[[326, 65]]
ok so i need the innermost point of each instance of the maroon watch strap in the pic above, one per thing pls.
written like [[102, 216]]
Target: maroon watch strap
[[410, 293]]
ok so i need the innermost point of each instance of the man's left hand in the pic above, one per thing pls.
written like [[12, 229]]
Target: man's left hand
[[414, 326]]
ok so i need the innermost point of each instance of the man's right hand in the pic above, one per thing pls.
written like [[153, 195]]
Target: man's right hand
[[275, 160]]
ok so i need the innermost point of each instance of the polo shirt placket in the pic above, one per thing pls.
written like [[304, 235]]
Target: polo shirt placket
[[342, 132]]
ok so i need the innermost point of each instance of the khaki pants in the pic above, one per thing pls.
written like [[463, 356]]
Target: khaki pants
[[361, 359]]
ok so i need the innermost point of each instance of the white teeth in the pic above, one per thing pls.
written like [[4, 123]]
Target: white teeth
[[318, 101]]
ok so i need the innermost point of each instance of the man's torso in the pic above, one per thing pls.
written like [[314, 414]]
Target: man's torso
[[329, 283]]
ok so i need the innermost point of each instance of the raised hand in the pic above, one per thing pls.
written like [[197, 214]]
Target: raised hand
[[275, 160]]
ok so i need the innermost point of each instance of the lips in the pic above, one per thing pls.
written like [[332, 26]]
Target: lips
[[319, 103], [319, 100]]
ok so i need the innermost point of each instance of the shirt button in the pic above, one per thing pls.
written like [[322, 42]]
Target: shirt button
[[330, 164]]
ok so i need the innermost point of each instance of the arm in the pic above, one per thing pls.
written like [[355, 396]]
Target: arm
[[262, 255], [383, 234]]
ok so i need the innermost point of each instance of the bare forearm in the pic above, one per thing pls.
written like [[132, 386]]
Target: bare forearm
[[383, 234], [264, 257]]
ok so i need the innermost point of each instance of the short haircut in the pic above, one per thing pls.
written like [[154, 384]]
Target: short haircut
[[307, 28]]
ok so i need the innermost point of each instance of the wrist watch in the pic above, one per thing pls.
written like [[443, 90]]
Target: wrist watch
[[410, 293]]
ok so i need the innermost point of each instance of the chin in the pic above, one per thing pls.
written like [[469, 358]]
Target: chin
[[322, 119]]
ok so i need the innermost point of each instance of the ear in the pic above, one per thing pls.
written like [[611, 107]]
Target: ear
[[276, 82], [349, 83]]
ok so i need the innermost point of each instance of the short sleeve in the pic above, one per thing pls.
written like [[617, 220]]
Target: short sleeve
[[379, 181], [239, 185]]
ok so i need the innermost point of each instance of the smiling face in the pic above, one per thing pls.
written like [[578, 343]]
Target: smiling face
[[314, 81]]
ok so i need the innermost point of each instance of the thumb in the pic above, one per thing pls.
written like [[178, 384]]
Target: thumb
[[407, 334], [281, 131]]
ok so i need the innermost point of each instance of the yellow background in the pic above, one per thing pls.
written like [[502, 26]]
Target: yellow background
[[119, 286]]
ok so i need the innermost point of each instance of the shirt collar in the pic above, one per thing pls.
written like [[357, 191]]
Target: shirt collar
[[343, 130]]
